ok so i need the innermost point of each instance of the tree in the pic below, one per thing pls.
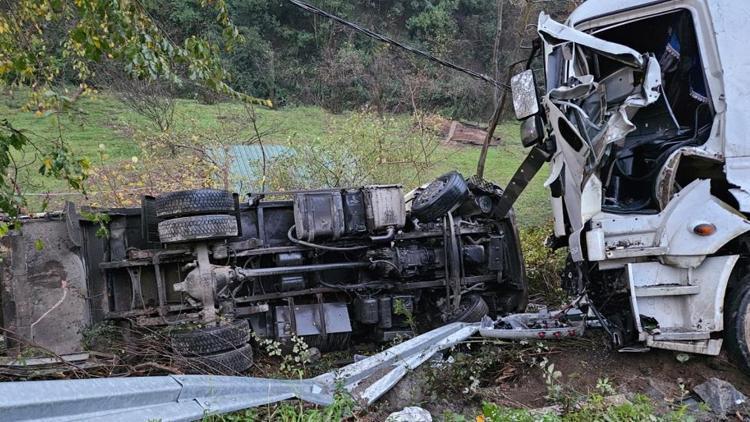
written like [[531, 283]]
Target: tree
[[47, 43]]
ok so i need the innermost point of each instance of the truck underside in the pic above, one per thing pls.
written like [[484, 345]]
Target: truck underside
[[325, 265]]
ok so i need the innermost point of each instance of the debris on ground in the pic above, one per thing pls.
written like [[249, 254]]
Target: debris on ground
[[540, 325], [720, 396], [465, 133], [682, 357], [410, 414]]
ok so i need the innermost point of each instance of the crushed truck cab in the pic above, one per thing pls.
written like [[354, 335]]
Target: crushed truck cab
[[643, 119]]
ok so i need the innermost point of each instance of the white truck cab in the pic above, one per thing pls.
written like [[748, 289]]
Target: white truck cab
[[643, 121]]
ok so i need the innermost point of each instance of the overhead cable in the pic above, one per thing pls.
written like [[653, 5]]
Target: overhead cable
[[382, 38]]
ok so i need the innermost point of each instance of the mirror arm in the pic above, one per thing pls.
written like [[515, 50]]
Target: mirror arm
[[536, 46], [528, 169]]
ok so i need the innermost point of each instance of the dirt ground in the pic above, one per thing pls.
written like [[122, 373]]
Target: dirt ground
[[657, 374]]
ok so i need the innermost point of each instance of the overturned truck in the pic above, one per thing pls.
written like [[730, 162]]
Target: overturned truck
[[325, 265]]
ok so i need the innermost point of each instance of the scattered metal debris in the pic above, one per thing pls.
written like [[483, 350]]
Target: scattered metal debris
[[455, 132], [542, 325]]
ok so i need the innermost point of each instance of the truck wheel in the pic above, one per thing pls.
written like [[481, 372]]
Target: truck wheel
[[440, 197], [737, 325], [472, 309], [193, 202], [204, 341], [226, 363], [197, 227]]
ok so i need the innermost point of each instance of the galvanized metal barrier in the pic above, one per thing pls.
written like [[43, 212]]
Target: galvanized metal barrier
[[191, 397]]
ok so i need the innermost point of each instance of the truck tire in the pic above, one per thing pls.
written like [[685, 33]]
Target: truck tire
[[194, 202], [197, 227], [208, 340], [737, 325], [473, 309], [231, 362], [439, 197]]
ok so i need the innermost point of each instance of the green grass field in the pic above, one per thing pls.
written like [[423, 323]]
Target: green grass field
[[102, 119]]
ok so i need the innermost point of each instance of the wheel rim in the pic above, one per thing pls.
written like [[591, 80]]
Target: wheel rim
[[431, 191]]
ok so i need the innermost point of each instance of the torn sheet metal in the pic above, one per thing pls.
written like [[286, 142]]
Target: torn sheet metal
[[530, 326], [582, 147], [555, 33]]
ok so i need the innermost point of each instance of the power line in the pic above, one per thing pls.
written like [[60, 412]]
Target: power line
[[382, 38]]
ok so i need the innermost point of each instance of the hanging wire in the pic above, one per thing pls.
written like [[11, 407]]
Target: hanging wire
[[382, 38]]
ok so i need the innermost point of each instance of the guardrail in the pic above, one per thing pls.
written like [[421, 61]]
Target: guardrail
[[191, 397]]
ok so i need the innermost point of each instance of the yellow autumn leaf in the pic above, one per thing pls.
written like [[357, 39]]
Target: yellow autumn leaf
[[85, 164]]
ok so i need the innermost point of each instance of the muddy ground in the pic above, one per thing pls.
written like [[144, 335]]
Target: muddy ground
[[517, 382]]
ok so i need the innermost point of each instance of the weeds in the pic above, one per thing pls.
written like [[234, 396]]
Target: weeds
[[543, 265], [343, 406], [400, 308], [594, 408], [367, 149], [477, 365], [102, 335], [294, 362], [552, 377], [604, 387]]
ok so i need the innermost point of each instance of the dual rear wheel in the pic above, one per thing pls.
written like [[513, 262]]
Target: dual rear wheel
[[220, 349], [196, 215]]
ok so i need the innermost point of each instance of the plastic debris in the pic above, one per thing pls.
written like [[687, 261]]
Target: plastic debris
[[410, 414]]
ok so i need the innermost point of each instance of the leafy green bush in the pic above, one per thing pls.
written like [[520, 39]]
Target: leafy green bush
[[543, 265], [369, 149]]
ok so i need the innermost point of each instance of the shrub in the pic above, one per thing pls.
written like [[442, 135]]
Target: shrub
[[543, 265], [371, 149]]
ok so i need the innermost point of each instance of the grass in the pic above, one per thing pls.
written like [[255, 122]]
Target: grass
[[102, 119]]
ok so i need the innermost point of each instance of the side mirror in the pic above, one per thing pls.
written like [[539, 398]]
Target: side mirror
[[525, 100], [532, 131]]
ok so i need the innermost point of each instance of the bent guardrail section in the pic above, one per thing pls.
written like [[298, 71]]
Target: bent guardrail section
[[191, 397]]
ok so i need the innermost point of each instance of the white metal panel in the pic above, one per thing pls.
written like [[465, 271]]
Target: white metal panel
[[732, 32], [684, 310], [670, 233], [695, 205], [595, 8]]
